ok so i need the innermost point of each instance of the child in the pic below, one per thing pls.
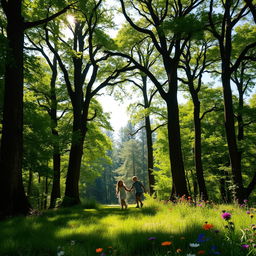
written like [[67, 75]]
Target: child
[[121, 193], [137, 185]]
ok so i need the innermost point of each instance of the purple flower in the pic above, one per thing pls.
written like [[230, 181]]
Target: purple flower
[[216, 231], [246, 246], [226, 216], [152, 238], [245, 201], [248, 212]]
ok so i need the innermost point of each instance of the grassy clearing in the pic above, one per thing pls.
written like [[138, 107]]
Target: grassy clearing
[[78, 231]]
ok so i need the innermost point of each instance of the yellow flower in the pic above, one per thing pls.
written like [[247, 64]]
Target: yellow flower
[[178, 250], [166, 243]]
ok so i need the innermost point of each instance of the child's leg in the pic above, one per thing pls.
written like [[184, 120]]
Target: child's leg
[[137, 201], [122, 203]]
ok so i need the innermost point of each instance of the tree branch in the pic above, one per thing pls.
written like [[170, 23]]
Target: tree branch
[[43, 21], [208, 111], [161, 125]]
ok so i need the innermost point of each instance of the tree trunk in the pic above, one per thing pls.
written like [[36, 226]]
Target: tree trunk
[[30, 181], [234, 154], [197, 151], [45, 192], [151, 177], [176, 159], [75, 156], [13, 200], [55, 193]]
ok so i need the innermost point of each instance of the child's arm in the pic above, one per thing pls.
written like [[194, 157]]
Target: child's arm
[[129, 190], [143, 188]]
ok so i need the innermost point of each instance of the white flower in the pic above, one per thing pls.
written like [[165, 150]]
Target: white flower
[[194, 245], [189, 254], [72, 242], [60, 253]]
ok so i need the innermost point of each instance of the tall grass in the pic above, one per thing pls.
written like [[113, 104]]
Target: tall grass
[[80, 231]]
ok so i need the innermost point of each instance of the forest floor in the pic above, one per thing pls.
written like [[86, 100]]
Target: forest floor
[[157, 229]]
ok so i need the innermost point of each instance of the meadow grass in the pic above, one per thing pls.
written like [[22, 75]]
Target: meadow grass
[[79, 231]]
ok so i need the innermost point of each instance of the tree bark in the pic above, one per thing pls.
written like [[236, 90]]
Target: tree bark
[[198, 150], [13, 200], [175, 152], [235, 157], [55, 193], [75, 159], [151, 177]]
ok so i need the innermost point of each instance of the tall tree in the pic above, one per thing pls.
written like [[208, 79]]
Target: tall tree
[[13, 199], [85, 76], [194, 63], [169, 26], [223, 31]]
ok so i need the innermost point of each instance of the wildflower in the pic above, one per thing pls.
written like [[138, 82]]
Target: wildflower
[[152, 238], [214, 250], [178, 250], [246, 246], [226, 216], [207, 226], [60, 253], [248, 212], [194, 245], [166, 243], [253, 227], [201, 238], [251, 215], [201, 252], [98, 250], [72, 242], [245, 201], [103, 254], [216, 231], [189, 254]]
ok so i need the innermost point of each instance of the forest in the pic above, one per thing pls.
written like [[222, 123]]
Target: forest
[[187, 69]]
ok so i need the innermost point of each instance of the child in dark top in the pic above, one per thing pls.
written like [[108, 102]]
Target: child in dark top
[[139, 188]]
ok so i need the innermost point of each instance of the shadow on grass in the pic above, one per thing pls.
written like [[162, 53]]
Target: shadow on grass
[[77, 232]]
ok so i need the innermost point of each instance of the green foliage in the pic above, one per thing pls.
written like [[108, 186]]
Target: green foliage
[[103, 40], [186, 26]]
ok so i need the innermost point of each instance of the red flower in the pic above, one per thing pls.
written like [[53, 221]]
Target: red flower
[[98, 250], [207, 226]]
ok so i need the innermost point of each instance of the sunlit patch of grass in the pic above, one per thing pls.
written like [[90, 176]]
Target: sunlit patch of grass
[[79, 231]]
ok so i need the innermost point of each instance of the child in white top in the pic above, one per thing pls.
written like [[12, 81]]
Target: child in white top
[[121, 193]]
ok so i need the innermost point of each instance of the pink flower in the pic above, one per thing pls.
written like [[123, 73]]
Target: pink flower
[[226, 216]]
